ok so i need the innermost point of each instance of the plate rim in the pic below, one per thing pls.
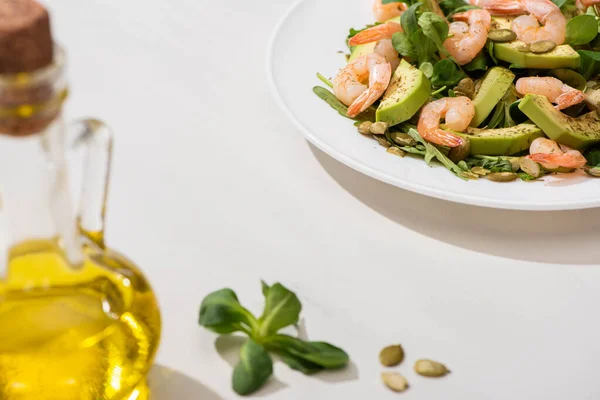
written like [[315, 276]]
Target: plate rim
[[384, 177]]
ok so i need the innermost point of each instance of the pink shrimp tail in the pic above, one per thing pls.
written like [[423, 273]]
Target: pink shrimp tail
[[441, 137], [375, 34], [566, 160], [569, 99]]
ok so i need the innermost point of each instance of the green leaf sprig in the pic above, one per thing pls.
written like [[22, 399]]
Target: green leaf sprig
[[221, 312]]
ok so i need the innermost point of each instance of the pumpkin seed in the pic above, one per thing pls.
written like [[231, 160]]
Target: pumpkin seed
[[466, 87], [542, 46], [515, 163], [466, 84], [460, 152], [396, 151], [480, 171], [364, 128], [502, 35], [595, 172], [502, 176], [378, 128], [382, 141], [531, 167], [469, 175], [394, 381], [430, 368], [403, 139], [391, 355]]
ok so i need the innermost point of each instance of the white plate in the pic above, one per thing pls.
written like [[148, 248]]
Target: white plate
[[307, 40]]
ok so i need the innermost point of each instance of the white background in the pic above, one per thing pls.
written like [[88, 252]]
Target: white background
[[213, 188]]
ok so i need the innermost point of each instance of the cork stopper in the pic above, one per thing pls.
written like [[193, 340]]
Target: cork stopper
[[25, 39]]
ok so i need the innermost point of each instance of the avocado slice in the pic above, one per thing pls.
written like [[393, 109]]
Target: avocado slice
[[494, 85], [361, 50], [368, 48], [502, 141], [562, 56], [408, 91], [578, 133]]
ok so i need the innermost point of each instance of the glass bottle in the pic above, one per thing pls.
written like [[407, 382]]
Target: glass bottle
[[78, 321]]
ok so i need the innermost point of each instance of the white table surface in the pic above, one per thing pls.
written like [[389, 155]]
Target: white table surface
[[214, 188]]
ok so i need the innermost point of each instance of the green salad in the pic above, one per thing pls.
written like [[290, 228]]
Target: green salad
[[502, 89]]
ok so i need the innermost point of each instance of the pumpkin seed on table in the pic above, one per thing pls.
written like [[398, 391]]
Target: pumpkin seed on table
[[391, 355], [378, 128], [502, 176], [364, 128], [431, 369], [394, 381], [542, 46], [502, 35]]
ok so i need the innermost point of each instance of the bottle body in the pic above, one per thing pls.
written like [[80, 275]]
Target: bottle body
[[85, 334]]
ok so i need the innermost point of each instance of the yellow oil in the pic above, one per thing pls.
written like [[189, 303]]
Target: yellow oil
[[75, 334]]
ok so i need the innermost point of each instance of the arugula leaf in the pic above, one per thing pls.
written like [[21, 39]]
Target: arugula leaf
[[581, 30], [590, 63], [427, 69], [446, 73], [321, 354], [479, 63], [593, 156], [494, 164], [282, 308], [434, 152], [222, 313], [425, 47], [435, 28], [450, 7], [329, 98], [559, 3], [404, 46], [265, 288], [409, 20], [325, 80], [525, 177], [253, 370]]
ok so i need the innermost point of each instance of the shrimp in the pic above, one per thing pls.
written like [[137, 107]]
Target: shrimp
[[457, 112], [527, 27], [562, 95], [349, 88], [468, 35], [384, 12], [552, 155], [375, 33], [386, 49]]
